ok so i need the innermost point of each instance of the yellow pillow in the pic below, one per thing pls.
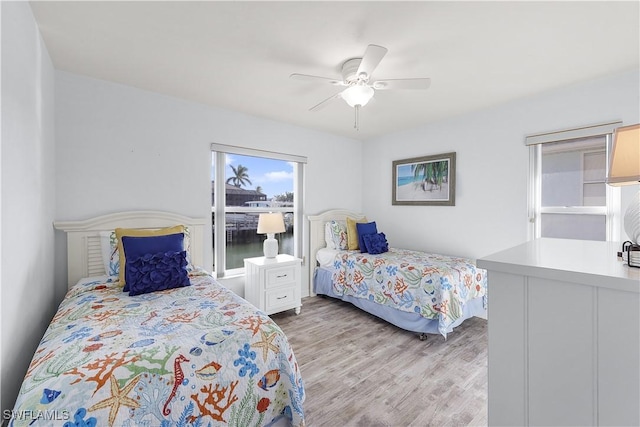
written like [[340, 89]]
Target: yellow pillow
[[352, 233], [140, 232]]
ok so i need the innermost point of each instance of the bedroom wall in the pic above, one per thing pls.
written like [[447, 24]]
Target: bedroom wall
[[28, 194], [492, 166], [120, 148]]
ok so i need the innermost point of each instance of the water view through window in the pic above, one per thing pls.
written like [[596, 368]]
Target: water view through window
[[238, 251], [253, 185]]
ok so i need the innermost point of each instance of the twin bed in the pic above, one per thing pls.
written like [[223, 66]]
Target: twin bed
[[193, 355], [199, 355], [420, 292]]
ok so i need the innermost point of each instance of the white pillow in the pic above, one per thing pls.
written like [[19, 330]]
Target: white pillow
[[110, 256], [328, 236], [335, 235], [326, 257]]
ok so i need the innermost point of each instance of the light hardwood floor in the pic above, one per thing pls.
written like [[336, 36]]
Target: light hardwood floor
[[359, 370]]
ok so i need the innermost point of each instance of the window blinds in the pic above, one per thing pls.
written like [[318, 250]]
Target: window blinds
[[231, 149], [575, 133]]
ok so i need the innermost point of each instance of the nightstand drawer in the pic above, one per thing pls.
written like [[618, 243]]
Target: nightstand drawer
[[280, 276], [280, 297]]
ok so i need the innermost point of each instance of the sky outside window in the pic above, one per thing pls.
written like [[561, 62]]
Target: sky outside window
[[274, 177]]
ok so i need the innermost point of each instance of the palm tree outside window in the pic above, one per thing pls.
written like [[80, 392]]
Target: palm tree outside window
[[240, 176]]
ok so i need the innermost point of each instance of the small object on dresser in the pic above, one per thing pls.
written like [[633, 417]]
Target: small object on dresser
[[631, 254]]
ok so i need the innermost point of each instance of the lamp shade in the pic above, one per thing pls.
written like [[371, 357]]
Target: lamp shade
[[357, 95], [624, 163], [270, 223], [624, 169]]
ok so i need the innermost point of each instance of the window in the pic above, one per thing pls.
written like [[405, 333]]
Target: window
[[245, 183], [568, 195]]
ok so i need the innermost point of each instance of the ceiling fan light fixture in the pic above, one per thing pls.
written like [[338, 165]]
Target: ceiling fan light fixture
[[358, 95], [356, 75]]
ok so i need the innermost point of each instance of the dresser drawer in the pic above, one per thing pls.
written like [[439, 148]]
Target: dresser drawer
[[280, 297], [280, 276]]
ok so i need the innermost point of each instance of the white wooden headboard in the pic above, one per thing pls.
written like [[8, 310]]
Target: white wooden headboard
[[84, 258], [316, 233]]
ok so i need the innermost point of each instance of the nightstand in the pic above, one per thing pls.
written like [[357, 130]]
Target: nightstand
[[273, 284]]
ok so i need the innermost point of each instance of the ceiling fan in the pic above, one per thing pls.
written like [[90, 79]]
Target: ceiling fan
[[356, 76]]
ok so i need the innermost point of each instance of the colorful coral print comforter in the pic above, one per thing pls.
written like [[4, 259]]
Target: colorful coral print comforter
[[193, 356], [434, 286]]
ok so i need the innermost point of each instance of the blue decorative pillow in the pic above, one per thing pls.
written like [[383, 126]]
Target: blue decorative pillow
[[136, 247], [364, 229], [376, 243], [157, 272]]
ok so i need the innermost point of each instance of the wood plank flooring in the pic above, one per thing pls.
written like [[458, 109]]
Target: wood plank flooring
[[362, 371]]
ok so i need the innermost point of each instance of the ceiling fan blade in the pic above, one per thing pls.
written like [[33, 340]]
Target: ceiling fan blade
[[372, 57], [324, 103], [420, 84], [329, 80]]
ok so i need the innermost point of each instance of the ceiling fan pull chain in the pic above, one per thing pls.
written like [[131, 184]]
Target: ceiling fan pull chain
[[356, 124]]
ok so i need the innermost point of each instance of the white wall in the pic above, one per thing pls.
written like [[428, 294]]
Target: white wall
[[28, 194], [492, 166], [120, 148]]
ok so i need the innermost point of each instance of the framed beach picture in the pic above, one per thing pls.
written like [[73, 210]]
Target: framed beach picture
[[428, 180]]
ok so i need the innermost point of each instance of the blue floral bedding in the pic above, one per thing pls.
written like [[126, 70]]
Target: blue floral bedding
[[434, 286], [192, 356]]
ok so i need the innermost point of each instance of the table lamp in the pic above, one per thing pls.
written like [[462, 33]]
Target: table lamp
[[269, 224], [624, 169]]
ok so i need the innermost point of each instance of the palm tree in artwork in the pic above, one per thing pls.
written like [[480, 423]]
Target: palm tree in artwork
[[433, 173], [240, 176]]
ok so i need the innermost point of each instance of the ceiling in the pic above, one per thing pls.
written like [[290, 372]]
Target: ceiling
[[239, 55]]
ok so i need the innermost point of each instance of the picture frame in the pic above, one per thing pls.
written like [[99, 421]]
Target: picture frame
[[425, 181]]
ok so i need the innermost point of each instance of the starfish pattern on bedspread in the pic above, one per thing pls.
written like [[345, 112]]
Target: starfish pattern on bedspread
[[118, 398]]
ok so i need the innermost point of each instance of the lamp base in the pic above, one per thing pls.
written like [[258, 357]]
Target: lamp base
[[632, 219], [270, 246]]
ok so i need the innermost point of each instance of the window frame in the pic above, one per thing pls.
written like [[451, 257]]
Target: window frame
[[535, 210], [219, 152]]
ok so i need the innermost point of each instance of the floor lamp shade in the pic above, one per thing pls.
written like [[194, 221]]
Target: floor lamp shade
[[624, 169], [270, 224]]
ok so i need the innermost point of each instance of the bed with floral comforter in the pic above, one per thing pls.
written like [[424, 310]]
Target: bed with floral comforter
[[192, 356], [432, 286]]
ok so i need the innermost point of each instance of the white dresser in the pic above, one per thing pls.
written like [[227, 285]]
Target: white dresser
[[273, 284], [564, 335]]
